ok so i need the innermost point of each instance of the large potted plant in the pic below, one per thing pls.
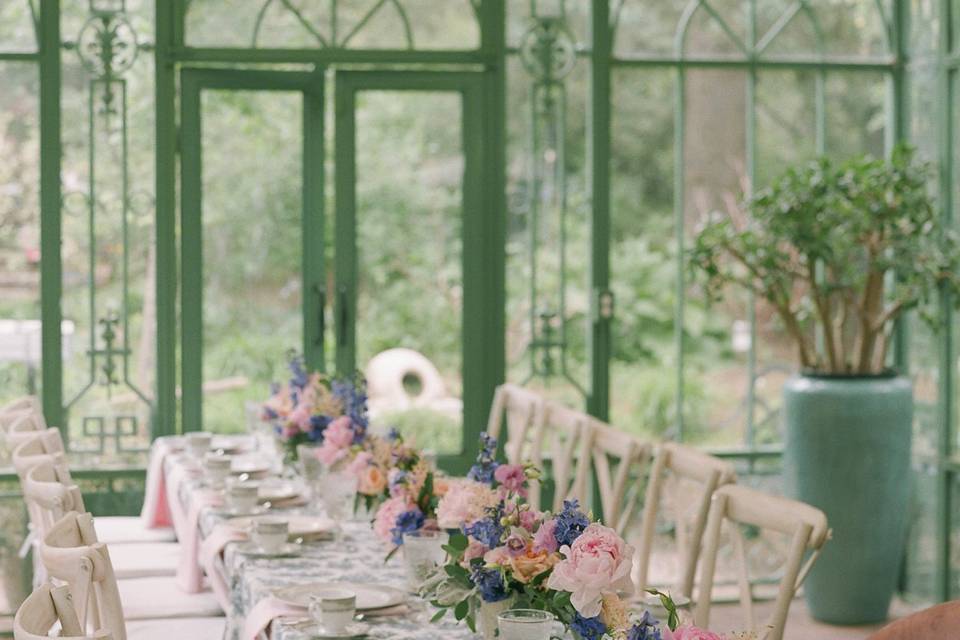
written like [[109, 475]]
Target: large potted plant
[[840, 251]]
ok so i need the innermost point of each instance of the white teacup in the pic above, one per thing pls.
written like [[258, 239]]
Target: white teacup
[[242, 496], [217, 467], [528, 624], [198, 443], [270, 534], [333, 609]]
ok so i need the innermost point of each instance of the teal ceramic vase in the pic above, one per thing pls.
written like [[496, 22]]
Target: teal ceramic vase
[[847, 452]]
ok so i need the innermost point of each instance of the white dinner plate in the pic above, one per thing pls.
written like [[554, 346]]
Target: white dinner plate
[[277, 491], [306, 527], [369, 596]]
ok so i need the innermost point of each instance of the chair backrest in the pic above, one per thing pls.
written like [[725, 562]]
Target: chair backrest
[[567, 437], [71, 553], [46, 607], [39, 447], [806, 527], [523, 410], [21, 426], [49, 493], [20, 406], [701, 475], [620, 462]]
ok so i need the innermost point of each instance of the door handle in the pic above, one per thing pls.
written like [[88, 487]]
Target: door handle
[[344, 316], [321, 314]]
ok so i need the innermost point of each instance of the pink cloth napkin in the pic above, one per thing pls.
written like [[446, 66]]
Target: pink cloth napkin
[[189, 573], [264, 613], [210, 550], [156, 512]]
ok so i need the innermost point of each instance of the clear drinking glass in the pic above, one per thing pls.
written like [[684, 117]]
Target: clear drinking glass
[[527, 624], [338, 491], [422, 553]]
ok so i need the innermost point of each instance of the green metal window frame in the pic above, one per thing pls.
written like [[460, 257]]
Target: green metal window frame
[[192, 83]]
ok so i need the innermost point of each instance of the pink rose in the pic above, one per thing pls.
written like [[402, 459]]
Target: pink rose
[[511, 476], [386, 518], [360, 463], [499, 556], [688, 632], [597, 563], [545, 538], [474, 550], [300, 416], [529, 519]]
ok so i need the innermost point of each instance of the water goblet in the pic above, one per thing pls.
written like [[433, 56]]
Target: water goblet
[[422, 553], [338, 491]]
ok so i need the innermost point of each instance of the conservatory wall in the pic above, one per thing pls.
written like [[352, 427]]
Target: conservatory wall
[[192, 189]]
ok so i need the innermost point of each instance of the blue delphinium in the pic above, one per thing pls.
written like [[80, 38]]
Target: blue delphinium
[[353, 395], [570, 523], [407, 522], [588, 628], [486, 531], [645, 629], [393, 435], [489, 583], [486, 465], [298, 373]]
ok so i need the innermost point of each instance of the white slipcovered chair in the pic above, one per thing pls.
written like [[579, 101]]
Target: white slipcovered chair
[[71, 553], [806, 528], [699, 475], [47, 446], [47, 610]]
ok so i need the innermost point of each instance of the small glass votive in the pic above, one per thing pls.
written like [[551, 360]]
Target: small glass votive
[[527, 624], [422, 553], [270, 534], [333, 610]]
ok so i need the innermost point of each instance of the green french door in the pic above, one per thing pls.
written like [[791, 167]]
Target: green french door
[[250, 140], [416, 253]]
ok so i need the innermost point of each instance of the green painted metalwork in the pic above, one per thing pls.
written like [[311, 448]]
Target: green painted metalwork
[[481, 370], [193, 82]]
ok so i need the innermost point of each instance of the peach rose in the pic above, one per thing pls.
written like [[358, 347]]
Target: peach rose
[[529, 565], [372, 481]]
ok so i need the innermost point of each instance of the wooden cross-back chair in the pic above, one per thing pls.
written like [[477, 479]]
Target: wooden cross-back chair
[[620, 461], [38, 447], [566, 437], [806, 527], [27, 405], [50, 493], [48, 609], [71, 553], [521, 411], [696, 469], [21, 427]]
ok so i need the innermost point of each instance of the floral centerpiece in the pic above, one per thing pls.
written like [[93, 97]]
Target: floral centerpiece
[[315, 408]]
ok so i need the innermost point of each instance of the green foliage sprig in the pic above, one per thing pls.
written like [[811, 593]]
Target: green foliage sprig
[[842, 249]]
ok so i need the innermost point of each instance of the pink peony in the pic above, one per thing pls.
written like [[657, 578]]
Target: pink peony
[[688, 632], [597, 563], [337, 438], [386, 518], [511, 476], [338, 433], [545, 538], [465, 502], [300, 417]]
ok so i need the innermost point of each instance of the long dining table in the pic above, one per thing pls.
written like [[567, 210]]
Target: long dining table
[[249, 583]]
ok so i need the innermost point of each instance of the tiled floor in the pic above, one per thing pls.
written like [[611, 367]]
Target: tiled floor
[[800, 626]]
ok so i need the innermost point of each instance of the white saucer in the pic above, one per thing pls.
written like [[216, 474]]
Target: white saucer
[[287, 550], [234, 513], [352, 630]]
